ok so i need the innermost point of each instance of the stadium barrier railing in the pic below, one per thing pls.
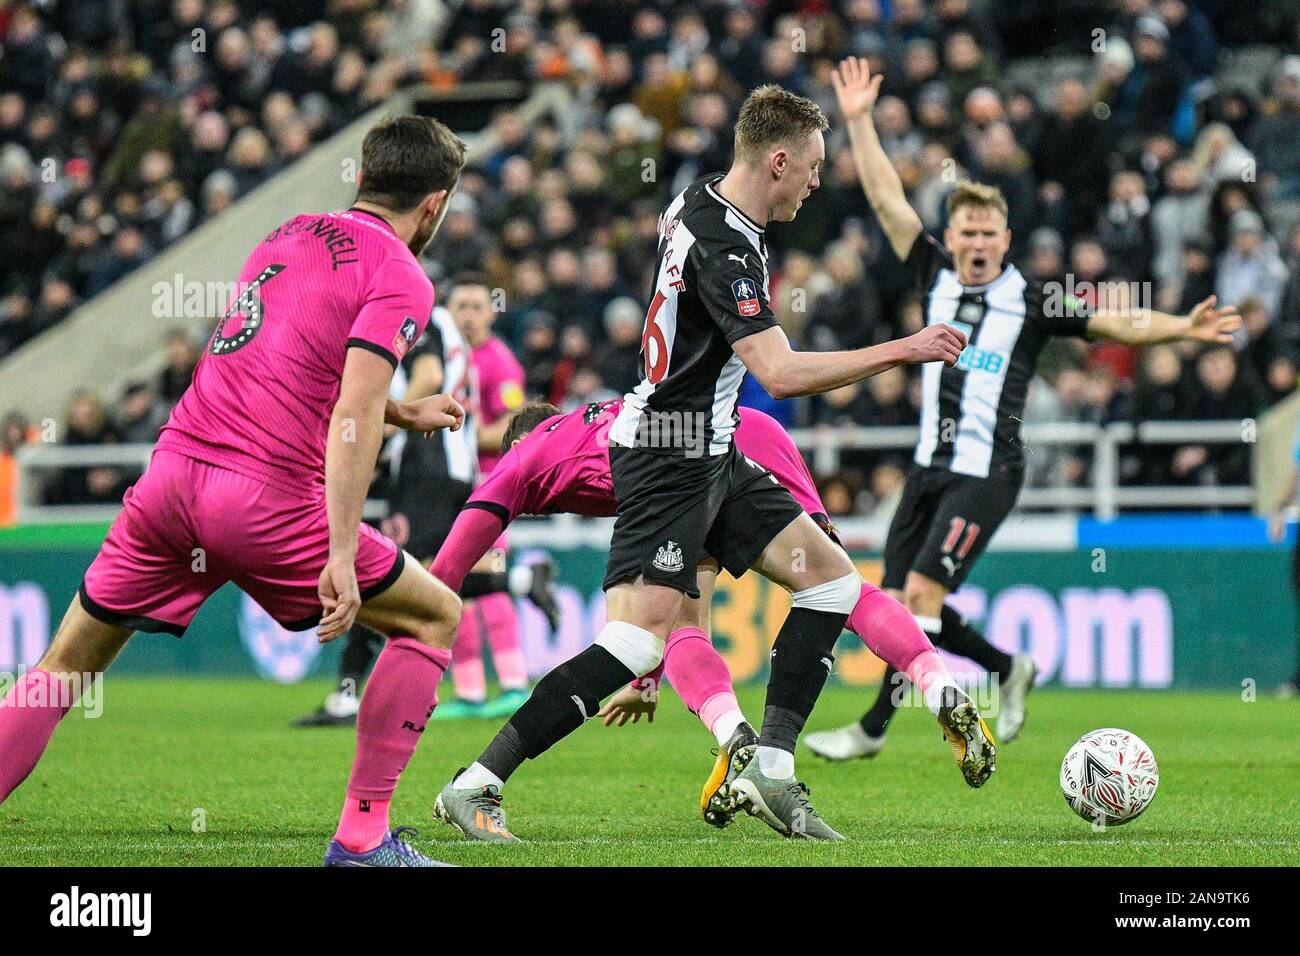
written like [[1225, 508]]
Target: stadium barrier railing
[[1104, 497]]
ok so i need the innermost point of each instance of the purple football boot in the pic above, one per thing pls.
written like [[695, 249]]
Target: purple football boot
[[394, 851]]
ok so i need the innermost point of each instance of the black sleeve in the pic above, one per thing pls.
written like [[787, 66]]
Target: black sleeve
[[730, 283], [925, 260], [429, 344], [1056, 310]]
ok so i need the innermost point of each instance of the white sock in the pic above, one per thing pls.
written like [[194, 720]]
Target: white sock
[[934, 693], [339, 704], [477, 777], [726, 725], [775, 763]]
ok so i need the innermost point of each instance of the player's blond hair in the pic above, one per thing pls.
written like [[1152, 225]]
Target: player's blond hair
[[977, 195], [772, 116]]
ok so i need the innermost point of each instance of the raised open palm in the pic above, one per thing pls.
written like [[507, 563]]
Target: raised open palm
[[855, 87]]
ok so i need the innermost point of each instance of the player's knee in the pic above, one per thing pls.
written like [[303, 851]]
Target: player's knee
[[923, 597], [637, 649], [450, 608], [837, 596]]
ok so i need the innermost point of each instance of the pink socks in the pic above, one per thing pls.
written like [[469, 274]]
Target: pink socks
[[28, 715], [887, 628], [700, 677], [468, 676], [891, 633], [502, 626], [493, 614], [399, 699]]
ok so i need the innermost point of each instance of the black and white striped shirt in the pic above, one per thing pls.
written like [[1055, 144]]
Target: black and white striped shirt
[[711, 289], [971, 413]]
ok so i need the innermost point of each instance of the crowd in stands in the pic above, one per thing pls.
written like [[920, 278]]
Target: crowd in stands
[[1134, 163]]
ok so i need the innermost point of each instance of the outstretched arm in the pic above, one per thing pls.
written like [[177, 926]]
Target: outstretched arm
[[786, 373], [856, 89], [1204, 323]]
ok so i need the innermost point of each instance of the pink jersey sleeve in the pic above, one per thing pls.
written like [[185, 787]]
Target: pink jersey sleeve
[[490, 509], [762, 439], [396, 309], [472, 535]]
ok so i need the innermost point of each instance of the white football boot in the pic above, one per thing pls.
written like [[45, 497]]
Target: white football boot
[[1011, 701], [846, 743]]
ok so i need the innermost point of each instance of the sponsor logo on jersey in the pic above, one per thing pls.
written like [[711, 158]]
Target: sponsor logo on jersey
[[746, 297], [405, 336], [669, 558]]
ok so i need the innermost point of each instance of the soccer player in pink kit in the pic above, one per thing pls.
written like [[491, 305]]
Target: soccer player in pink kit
[[491, 617], [558, 463], [261, 472]]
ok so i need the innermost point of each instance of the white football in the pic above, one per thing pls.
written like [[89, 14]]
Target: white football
[[1109, 776]]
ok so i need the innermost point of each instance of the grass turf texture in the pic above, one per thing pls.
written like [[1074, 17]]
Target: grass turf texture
[[126, 788]]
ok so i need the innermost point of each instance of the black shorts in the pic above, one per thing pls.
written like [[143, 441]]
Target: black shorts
[[944, 522], [673, 512], [430, 508]]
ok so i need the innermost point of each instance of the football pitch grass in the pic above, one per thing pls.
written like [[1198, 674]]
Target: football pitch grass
[[208, 772]]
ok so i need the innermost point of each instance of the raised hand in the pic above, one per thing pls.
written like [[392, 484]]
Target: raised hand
[[855, 88]]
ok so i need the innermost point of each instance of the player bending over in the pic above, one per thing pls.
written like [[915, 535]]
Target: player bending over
[[969, 463], [260, 475], [558, 463], [682, 491]]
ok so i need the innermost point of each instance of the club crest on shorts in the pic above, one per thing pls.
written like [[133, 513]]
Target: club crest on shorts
[[405, 336], [746, 296], [669, 558]]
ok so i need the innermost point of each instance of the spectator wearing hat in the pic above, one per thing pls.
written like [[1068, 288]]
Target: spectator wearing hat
[[619, 360], [1046, 261], [1251, 266], [1149, 97]]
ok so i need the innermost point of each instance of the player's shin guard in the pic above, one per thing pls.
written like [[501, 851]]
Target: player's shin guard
[[29, 713], [560, 703], [701, 678], [399, 699], [958, 637], [802, 657], [891, 633], [468, 676], [887, 628]]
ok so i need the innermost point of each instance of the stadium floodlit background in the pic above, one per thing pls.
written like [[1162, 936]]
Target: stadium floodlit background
[[1148, 149]]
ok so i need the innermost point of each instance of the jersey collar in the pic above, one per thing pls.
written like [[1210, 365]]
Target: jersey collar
[[708, 188], [1007, 269], [373, 215]]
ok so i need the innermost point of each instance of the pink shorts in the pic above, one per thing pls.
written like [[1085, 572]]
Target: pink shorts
[[188, 527]]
